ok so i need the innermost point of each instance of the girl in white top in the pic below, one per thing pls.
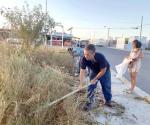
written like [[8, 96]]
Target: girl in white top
[[133, 63]]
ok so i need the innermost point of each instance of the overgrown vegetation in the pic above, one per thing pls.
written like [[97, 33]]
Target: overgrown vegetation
[[32, 79], [32, 76]]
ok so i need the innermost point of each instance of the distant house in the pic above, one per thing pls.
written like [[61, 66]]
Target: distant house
[[57, 39], [126, 43], [121, 43], [144, 41]]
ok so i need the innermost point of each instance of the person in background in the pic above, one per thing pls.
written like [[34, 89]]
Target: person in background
[[132, 63], [135, 64], [77, 54]]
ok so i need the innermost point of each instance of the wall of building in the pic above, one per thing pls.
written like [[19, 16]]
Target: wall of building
[[120, 43]]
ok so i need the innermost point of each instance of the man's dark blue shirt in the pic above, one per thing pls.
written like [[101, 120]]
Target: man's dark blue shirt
[[99, 63]]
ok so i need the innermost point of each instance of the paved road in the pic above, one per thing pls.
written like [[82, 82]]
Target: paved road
[[116, 56]]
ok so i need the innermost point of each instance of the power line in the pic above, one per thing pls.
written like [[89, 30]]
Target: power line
[[114, 28], [102, 28]]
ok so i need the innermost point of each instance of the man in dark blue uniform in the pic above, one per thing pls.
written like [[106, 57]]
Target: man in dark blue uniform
[[99, 71]]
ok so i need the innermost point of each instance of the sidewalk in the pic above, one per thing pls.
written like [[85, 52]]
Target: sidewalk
[[129, 109]]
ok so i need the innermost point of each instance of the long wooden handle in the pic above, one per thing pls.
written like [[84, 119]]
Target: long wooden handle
[[58, 100]]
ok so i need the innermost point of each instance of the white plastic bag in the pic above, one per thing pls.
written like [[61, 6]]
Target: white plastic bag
[[122, 68]]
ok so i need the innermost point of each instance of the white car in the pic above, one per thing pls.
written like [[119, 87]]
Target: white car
[[100, 44]]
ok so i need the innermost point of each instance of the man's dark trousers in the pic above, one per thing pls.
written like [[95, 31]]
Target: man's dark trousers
[[105, 81]]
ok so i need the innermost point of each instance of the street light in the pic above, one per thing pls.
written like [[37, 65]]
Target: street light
[[141, 27], [135, 28], [62, 36], [59, 24], [70, 29]]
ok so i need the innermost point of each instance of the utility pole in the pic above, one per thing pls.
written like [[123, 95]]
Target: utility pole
[[108, 36], [62, 36], [51, 38], [46, 8], [141, 28], [108, 32], [45, 23], [94, 37]]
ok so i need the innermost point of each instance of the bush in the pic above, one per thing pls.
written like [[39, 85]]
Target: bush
[[31, 80], [52, 57]]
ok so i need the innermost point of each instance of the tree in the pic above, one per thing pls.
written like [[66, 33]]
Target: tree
[[28, 24]]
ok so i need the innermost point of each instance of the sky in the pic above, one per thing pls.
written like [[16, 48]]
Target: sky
[[88, 17]]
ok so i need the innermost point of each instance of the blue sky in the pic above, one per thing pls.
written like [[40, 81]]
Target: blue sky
[[88, 17]]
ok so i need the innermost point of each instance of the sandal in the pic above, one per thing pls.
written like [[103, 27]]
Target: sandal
[[129, 91]]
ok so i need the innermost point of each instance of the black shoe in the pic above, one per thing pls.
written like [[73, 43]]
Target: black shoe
[[109, 104], [87, 106]]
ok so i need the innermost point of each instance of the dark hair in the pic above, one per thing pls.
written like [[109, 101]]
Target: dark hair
[[90, 47], [138, 44]]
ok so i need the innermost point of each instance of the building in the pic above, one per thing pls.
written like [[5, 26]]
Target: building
[[121, 43], [143, 40], [55, 39], [126, 43]]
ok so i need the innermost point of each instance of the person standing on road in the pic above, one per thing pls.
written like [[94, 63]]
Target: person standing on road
[[99, 72], [77, 54], [133, 63]]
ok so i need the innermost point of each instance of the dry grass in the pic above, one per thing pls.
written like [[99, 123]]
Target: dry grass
[[55, 57], [32, 79]]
